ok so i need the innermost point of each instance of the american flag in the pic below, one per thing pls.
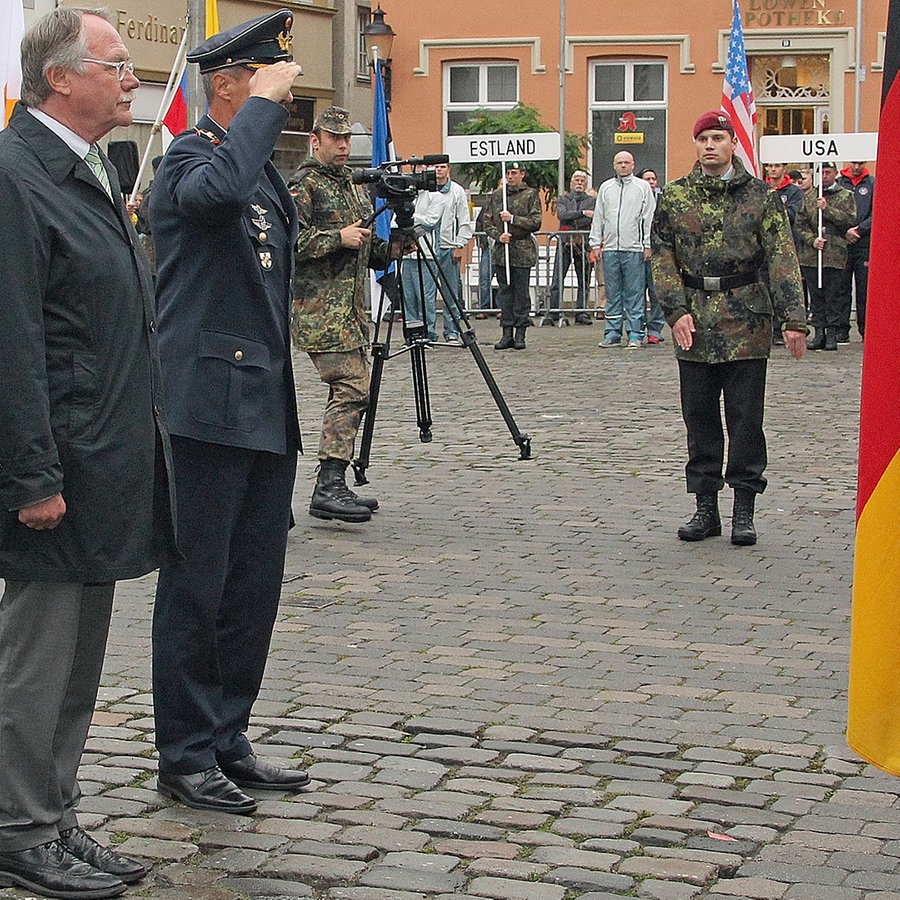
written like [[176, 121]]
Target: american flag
[[737, 95]]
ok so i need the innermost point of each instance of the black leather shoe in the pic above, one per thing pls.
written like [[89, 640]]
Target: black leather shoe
[[209, 789], [253, 772], [79, 843], [52, 871]]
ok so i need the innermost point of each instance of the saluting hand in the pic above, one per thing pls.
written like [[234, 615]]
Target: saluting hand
[[274, 82]]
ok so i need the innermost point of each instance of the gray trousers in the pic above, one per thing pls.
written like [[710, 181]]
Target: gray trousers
[[52, 643]]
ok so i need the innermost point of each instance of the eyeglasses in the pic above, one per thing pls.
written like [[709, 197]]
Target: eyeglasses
[[121, 67]]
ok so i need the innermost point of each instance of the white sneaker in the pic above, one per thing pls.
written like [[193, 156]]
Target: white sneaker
[[633, 344]]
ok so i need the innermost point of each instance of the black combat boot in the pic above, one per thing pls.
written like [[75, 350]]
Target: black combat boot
[[506, 342], [519, 339], [742, 531], [705, 522], [830, 339], [332, 499], [818, 342]]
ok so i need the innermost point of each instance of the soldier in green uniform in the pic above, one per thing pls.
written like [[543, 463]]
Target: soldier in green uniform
[[714, 232], [334, 252], [838, 216], [513, 225]]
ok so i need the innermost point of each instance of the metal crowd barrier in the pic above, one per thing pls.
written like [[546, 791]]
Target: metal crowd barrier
[[479, 293]]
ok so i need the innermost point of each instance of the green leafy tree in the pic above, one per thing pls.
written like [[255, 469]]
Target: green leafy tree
[[540, 174]]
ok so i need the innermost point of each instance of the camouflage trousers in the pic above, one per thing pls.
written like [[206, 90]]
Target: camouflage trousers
[[347, 376]]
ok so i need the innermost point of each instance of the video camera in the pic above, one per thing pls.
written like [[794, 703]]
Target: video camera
[[400, 189]]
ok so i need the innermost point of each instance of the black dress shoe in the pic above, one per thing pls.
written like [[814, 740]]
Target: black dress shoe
[[252, 772], [79, 843], [52, 871], [209, 789]]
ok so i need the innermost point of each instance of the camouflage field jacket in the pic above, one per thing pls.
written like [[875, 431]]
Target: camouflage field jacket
[[329, 311], [705, 226], [525, 205], [837, 217]]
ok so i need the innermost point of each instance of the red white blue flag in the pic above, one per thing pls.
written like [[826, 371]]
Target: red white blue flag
[[737, 95], [175, 119]]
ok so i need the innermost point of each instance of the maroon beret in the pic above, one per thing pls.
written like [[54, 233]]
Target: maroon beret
[[714, 119]]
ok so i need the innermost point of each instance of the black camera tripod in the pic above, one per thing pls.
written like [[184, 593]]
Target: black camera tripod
[[415, 334]]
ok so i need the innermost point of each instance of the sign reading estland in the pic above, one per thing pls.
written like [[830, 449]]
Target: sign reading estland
[[788, 148], [502, 147]]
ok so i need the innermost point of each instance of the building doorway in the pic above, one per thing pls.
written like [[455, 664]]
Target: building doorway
[[792, 93]]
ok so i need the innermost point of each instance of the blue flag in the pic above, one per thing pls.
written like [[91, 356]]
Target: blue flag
[[381, 146]]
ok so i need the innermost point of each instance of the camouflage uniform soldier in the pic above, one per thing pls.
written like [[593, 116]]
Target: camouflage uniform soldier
[[714, 231], [522, 217], [838, 216], [329, 321]]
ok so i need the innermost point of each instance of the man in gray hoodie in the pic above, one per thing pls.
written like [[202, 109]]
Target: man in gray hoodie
[[620, 234]]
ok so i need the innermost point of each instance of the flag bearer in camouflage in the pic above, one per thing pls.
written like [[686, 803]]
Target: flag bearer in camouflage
[[334, 251], [513, 226], [713, 233]]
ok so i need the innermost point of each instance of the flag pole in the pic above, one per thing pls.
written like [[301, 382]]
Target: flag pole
[[505, 209], [171, 86], [821, 229]]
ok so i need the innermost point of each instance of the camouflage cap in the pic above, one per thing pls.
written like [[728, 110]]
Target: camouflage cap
[[334, 119], [259, 42]]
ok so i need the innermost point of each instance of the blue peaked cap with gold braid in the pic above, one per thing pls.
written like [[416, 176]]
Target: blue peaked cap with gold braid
[[259, 42]]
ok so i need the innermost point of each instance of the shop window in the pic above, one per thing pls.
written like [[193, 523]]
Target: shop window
[[628, 112]]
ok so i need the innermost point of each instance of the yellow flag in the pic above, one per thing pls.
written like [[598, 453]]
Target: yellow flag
[[212, 18], [12, 27]]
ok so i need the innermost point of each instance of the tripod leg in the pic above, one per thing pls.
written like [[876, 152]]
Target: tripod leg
[[380, 351], [420, 392], [453, 303]]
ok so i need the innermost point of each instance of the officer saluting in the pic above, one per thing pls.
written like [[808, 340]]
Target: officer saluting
[[225, 225]]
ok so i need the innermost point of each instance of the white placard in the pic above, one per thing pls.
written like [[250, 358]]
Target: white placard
[[476, 148], [836, 148]]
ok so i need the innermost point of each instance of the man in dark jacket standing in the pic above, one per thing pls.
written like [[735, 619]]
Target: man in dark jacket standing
[[714, 231], [511, 218], [83, 450], [575, 211], [224, 226], [856, 178]]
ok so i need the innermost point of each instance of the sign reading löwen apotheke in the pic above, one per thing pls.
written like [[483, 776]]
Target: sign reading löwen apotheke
[[502, 147]]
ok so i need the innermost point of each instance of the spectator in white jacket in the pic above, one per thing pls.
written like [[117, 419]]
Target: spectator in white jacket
[[620, 235]]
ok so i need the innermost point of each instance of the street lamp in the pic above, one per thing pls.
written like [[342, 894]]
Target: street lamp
[[379, 38]]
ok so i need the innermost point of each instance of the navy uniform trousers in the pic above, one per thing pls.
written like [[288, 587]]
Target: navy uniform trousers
[[215, 610]]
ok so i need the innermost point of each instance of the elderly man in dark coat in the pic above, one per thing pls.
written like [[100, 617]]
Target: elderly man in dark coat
[[83, 451]]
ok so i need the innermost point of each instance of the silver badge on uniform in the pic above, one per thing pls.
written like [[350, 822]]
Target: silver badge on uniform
[[260, 222], [265, 259]]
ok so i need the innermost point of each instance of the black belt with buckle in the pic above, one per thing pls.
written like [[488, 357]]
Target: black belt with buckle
[[725, 283]]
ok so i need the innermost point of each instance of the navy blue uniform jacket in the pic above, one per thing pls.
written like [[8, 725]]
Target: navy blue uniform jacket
[[224, 225]]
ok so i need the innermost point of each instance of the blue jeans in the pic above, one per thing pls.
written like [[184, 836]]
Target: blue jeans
[[656, 320], [418, 298], [485, 277], [451, 289], [623, 271]]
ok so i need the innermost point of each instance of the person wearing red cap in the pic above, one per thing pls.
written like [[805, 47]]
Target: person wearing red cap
[[714, 234]]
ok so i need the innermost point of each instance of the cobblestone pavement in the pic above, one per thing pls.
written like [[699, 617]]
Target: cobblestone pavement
[[516, 683]]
